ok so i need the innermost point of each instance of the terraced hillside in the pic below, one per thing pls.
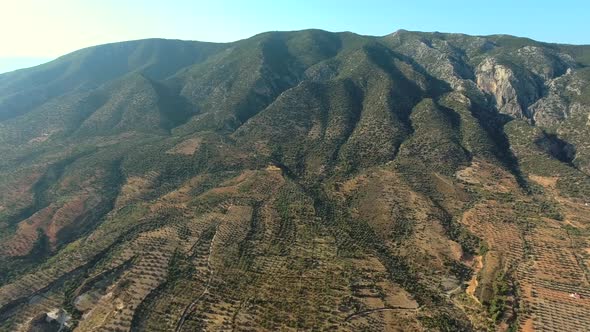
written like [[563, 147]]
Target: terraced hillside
[[298, 181]]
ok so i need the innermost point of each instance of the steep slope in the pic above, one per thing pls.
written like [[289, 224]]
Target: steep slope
[[86, 69], [300, 180]]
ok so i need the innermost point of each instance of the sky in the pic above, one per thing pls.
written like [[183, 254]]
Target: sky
[[37, 31]]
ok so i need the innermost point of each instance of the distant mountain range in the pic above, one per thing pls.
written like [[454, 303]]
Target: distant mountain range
[[300, 180], [8, 64]]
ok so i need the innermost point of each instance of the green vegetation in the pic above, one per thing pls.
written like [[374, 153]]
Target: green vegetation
[[501, 289], [294, 180], [444, 323], [13, 267]]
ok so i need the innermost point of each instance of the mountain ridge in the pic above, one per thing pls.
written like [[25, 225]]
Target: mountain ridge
[[298, 180]]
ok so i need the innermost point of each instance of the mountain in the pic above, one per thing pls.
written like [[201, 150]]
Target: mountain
[[302, 180]]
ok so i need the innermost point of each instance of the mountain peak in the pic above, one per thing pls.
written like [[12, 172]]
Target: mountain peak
[[301, 180]]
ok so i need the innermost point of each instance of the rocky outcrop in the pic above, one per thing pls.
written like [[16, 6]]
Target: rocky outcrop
[[439, 58], [553, 108], [512, 93], [520, 78], [556, 107], [543, 63]]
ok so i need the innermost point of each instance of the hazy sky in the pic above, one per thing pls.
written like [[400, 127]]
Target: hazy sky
[[32, 31]]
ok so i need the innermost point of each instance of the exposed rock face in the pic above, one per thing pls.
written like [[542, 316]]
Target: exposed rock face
[[560, 111], [555, 107], [552, 108], [512, 93], [543, 63], [298, 181], [531, 73], [576, 130], [440, 58]]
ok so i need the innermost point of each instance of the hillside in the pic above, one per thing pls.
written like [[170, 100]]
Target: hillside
[[302, 180]]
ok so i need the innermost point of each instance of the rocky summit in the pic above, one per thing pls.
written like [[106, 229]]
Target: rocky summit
[[298, 181]]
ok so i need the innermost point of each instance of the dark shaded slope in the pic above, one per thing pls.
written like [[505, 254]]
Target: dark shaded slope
[[22, 90], [233, 86], [301, 180]]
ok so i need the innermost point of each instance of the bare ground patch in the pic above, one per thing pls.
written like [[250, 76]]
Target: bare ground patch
[[187, 147]]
